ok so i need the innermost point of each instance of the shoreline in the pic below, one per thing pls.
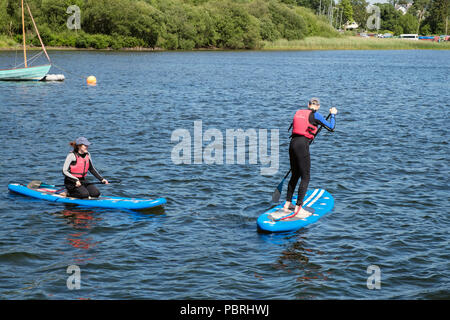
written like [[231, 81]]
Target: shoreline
[[354, 43], [307, 44]]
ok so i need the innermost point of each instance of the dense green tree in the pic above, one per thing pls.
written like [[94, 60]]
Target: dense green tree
[[397, 29], [420, 10], [347, 14], [236, 28], [4, 18], [316, 25], [409, 23], [290, 25], [439, 13], [53, 13], [390, 18], [203, 24], [425, 29], [11, 21], [169, 24], [127, 18], [360, 14]]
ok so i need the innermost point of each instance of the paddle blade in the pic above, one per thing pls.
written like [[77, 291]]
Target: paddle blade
[[276, 196], [277, 193], [34, 184]]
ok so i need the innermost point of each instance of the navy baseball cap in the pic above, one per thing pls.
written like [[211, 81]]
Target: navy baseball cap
[[82, 140]]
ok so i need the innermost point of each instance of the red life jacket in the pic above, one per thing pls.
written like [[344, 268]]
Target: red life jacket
[[302, 126], [81, 166]]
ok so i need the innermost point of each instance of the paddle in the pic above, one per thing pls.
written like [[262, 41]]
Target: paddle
[[37, 184], [277, 193]]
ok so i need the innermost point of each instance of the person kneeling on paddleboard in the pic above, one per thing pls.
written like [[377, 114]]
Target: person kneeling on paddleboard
[[304, 128], [78, 163]]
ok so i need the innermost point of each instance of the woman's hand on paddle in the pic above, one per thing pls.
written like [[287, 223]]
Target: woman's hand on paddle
[[104, 181], [333, 110], [78, 184]]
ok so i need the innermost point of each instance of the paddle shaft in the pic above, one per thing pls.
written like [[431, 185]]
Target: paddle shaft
[[62, 185]]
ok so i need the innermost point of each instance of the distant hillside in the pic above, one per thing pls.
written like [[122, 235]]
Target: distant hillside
[[165, 24]]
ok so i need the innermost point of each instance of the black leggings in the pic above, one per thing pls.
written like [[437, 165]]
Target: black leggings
[[300, 166], [86, 189]]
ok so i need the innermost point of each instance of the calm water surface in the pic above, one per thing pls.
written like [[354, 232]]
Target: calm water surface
[[386, 166]]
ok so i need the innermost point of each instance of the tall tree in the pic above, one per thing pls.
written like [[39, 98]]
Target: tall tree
[[390, 18], [360, 14], [420, 10], [346, 6], [408, 23], [439, 13]]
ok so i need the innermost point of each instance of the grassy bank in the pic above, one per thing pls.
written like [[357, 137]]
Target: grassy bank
[[352, 43], [7, 43], [309, 43]]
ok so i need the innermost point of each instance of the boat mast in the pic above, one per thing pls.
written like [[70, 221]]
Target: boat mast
[[37, 32], [23, 29]]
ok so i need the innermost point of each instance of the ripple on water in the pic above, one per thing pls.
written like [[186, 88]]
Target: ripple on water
[[384, 165]]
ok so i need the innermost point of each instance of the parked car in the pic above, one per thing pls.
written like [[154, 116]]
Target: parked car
[[409, 36]]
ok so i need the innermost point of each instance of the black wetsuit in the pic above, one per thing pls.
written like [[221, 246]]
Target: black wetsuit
[[300, 158]]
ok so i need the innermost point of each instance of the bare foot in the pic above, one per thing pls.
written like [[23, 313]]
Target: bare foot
[[302, 213], [288, 207]]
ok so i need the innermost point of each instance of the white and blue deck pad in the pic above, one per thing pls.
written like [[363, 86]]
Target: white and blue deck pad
[[49, 193], [317, 201]]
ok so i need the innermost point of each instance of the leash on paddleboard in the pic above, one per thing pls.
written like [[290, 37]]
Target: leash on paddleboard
[[277, 193]]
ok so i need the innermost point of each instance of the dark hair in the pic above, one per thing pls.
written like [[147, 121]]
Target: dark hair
[[74, 146]]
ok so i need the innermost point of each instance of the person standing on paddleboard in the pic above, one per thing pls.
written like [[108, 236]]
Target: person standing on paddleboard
[[304, 127], [78, 163]]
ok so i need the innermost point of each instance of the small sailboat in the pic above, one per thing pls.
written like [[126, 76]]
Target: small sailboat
[[27, 72]]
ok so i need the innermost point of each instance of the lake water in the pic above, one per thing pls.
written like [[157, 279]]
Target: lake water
[[386, 166]]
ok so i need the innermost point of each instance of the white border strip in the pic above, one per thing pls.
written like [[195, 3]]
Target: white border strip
[[311, 196], [317, 198]]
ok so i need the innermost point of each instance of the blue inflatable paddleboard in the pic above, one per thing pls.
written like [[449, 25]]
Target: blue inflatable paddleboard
[[48, 193], [318, 201]]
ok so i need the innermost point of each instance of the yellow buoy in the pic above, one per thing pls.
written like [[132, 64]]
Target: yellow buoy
[[91, 80]]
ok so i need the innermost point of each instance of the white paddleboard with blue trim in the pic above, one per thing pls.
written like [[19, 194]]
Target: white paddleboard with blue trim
[[317, 201]]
